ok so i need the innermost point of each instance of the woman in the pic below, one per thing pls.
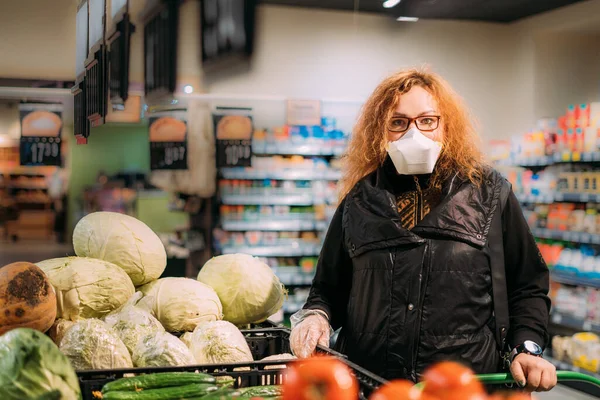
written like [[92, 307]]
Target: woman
[[428, 256]]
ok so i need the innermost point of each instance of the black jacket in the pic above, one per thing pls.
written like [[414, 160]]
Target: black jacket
[[405, 299]]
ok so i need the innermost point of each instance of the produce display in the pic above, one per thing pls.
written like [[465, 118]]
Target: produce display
[[248, 288], [124, 241], [91, 344], [86, 287], [84, 313], [31, 366], [181, 304], [27, 299]]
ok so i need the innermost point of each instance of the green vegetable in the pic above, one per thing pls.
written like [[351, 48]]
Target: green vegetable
[[53, 395], [224, 393], [91, 344], [31, 366], [219, 342], [181, 304], [124, 241], [86, 287], [225, 380], [249, 290], [158, 380], [261, 391], [168, 393]]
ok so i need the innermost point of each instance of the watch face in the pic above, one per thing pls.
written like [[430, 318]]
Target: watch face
[[532, 347]]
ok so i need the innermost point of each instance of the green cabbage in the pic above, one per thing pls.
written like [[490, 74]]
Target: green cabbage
[[162, 350], [31, 366], [219, 342], [180, 304], [132, 323], [86, 287], [248, 289], [91, 344], [124, 241]]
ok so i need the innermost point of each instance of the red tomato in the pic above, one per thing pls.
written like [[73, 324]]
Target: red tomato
[[397, 390], [319, 378], [449, 380]]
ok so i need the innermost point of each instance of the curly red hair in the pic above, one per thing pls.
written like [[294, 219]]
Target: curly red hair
[[367, 149]]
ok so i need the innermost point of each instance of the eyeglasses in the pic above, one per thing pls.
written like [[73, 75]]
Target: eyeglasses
[[425, 123]]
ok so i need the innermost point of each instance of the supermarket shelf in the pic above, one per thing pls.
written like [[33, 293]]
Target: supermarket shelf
[[303, 199], [573, 322], [530, 198], [550, 160], [274, 225], [577, 197], [560, 197], [575, 280], [286, 174], [294, 276], [577, 237], [284, 149], [275, 251], [563, 366]]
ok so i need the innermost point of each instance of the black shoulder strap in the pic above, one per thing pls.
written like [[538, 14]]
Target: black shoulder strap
[[499, 289]]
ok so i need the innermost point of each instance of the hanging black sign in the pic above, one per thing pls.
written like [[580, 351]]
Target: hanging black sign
[[234, 140], [168, 141], [41, 126]]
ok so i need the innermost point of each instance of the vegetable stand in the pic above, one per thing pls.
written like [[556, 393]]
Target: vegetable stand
[[263, 342]]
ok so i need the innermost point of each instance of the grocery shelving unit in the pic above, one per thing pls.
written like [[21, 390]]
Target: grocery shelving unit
[[290, 241], [561, 322]]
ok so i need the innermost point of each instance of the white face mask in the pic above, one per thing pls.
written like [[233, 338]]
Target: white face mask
[[414, 153]]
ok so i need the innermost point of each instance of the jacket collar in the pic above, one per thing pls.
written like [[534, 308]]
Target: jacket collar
[[371, 218]]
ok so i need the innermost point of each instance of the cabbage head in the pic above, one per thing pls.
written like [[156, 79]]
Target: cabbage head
[[219, 342], [249, 290], [32, 366], [132, 323], [86, 287], [124, 241], [91, 344], [180, 304], [162, 350]]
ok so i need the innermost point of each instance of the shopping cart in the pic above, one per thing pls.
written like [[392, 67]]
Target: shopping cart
[[506, 378]]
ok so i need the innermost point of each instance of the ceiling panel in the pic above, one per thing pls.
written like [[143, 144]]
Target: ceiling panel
[[479, 10]]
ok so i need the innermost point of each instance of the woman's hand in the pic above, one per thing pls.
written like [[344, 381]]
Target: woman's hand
[[304, 338], [533, 373]]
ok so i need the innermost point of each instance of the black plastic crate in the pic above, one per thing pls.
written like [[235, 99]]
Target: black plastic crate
[[263, 342]]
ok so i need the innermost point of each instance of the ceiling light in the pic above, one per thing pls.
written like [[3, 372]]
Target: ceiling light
[[407, 19], [390, 3], [188, 89]]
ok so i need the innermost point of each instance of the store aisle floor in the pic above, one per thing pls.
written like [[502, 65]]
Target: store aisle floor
[[32, 251], [563, 393]]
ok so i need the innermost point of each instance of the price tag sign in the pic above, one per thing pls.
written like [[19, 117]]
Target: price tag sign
[[168, 141], [41, 126], [233, 130], [303, 112]]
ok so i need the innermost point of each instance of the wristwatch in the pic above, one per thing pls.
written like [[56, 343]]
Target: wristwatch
[[527, 347]]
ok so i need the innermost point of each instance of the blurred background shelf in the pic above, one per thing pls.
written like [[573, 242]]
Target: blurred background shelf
[[574, 280], [578, 237]]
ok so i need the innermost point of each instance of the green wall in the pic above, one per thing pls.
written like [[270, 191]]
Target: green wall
[[111, 149]]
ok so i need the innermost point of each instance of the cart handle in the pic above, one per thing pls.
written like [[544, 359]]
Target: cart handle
[[563, 376], [502, 378]]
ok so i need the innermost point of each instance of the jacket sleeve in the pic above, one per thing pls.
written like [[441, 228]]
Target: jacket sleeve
[[330, 289], [527, 279]]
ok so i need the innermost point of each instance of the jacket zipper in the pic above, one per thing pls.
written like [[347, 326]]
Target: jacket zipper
[[423, 281], [418, 201]]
